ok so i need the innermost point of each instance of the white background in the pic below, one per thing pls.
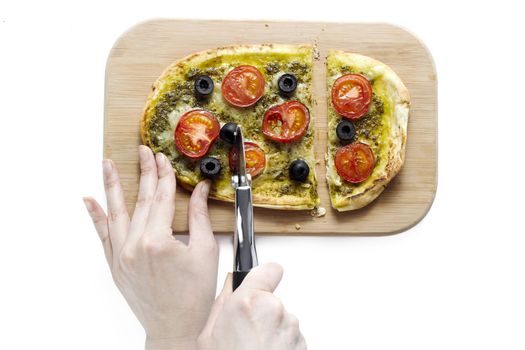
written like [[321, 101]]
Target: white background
[[455, 281]]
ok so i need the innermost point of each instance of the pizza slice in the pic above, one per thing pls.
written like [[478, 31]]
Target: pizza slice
[[367, 128], [194, 107]]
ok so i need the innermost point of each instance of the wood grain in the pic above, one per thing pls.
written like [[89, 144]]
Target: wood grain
[[142, 53]]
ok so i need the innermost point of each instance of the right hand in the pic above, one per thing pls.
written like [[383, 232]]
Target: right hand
[[252, 318]]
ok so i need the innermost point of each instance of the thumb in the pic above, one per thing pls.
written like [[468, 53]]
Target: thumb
[[218, 305], [265, 277]]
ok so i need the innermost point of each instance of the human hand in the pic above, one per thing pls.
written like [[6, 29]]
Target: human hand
[[252, 318], [170, 286]]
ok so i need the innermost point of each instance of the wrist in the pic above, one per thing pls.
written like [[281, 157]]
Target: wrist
[[170, 344]]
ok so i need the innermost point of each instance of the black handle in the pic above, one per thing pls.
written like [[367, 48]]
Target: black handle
[[238, 277]]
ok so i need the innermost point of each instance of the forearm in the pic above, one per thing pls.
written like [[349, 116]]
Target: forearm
[[171, 344]]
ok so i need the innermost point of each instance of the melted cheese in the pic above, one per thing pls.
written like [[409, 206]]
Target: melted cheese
[[274, 181], [383, 128]]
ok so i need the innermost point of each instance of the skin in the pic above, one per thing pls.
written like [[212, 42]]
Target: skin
[[170, 286], [252, 317]]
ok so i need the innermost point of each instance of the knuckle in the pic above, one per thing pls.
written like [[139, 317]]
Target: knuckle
[[127, 257], [269, 302], [277, 307], [153, 246], [198, 206], [117, 213], [294, 322], [99, 222], [146, 170], [143, 201], [104, 240], [111, 181], [162, 196], [273, 303], [98, 219], [301, 343], [244, 305]]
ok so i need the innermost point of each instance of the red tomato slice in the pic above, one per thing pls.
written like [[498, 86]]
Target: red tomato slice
[[254, 157], [286, 122], [243, 86], [351, 96], [355, 162], [195, 133]]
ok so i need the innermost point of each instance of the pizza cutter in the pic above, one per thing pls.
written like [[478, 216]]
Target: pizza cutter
[[245, 254]]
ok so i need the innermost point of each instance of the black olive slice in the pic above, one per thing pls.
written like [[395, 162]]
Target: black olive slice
[[227, 133], [287, 84], [345, 131], [210, 167], [299, 170], [203, 86]]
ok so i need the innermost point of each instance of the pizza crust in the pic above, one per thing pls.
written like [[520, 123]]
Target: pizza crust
[[178, 71], [269, 202], [399, 98]]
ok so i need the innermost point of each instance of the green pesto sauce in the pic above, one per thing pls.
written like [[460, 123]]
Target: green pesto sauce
[[274, 180], [370, 129]]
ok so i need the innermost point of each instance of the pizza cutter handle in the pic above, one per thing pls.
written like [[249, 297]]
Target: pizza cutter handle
[[245, 253], [238, 277]]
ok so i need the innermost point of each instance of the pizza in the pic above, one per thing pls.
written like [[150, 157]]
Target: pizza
[[197, 102], [368, 109]]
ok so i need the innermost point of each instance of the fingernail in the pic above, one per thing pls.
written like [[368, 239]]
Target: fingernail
[[143, 153], [89, 207], [161, 160], [107, 166]]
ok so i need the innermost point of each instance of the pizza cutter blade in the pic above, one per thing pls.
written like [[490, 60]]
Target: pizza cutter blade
[[245, 254]]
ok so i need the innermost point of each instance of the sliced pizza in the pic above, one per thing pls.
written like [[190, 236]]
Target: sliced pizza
[[367, 128], [194, 107]]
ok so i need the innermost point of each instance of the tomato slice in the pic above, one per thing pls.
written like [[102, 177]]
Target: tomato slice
[[243, 86], [355, 162], [195, 133], [351, 95], [286, 122], [254, 157]]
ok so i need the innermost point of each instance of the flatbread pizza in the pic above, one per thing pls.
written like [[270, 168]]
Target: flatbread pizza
[[196, 103], [368, 109]]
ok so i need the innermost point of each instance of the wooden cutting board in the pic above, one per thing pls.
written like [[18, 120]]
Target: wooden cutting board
[[141, 54]]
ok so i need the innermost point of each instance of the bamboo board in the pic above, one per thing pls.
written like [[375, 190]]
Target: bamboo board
[[141, 54]]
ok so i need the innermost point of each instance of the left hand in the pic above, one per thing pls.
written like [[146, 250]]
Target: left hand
[[170, 286]]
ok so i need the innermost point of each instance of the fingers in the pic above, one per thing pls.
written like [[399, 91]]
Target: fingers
[[218, 305], [265, 278], [118, 218], [198, 219], [147, 188], [163, 207], [100, 221]]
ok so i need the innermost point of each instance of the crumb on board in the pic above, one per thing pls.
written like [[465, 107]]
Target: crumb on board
[[297, 226], [318, 212], [317, 53]]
